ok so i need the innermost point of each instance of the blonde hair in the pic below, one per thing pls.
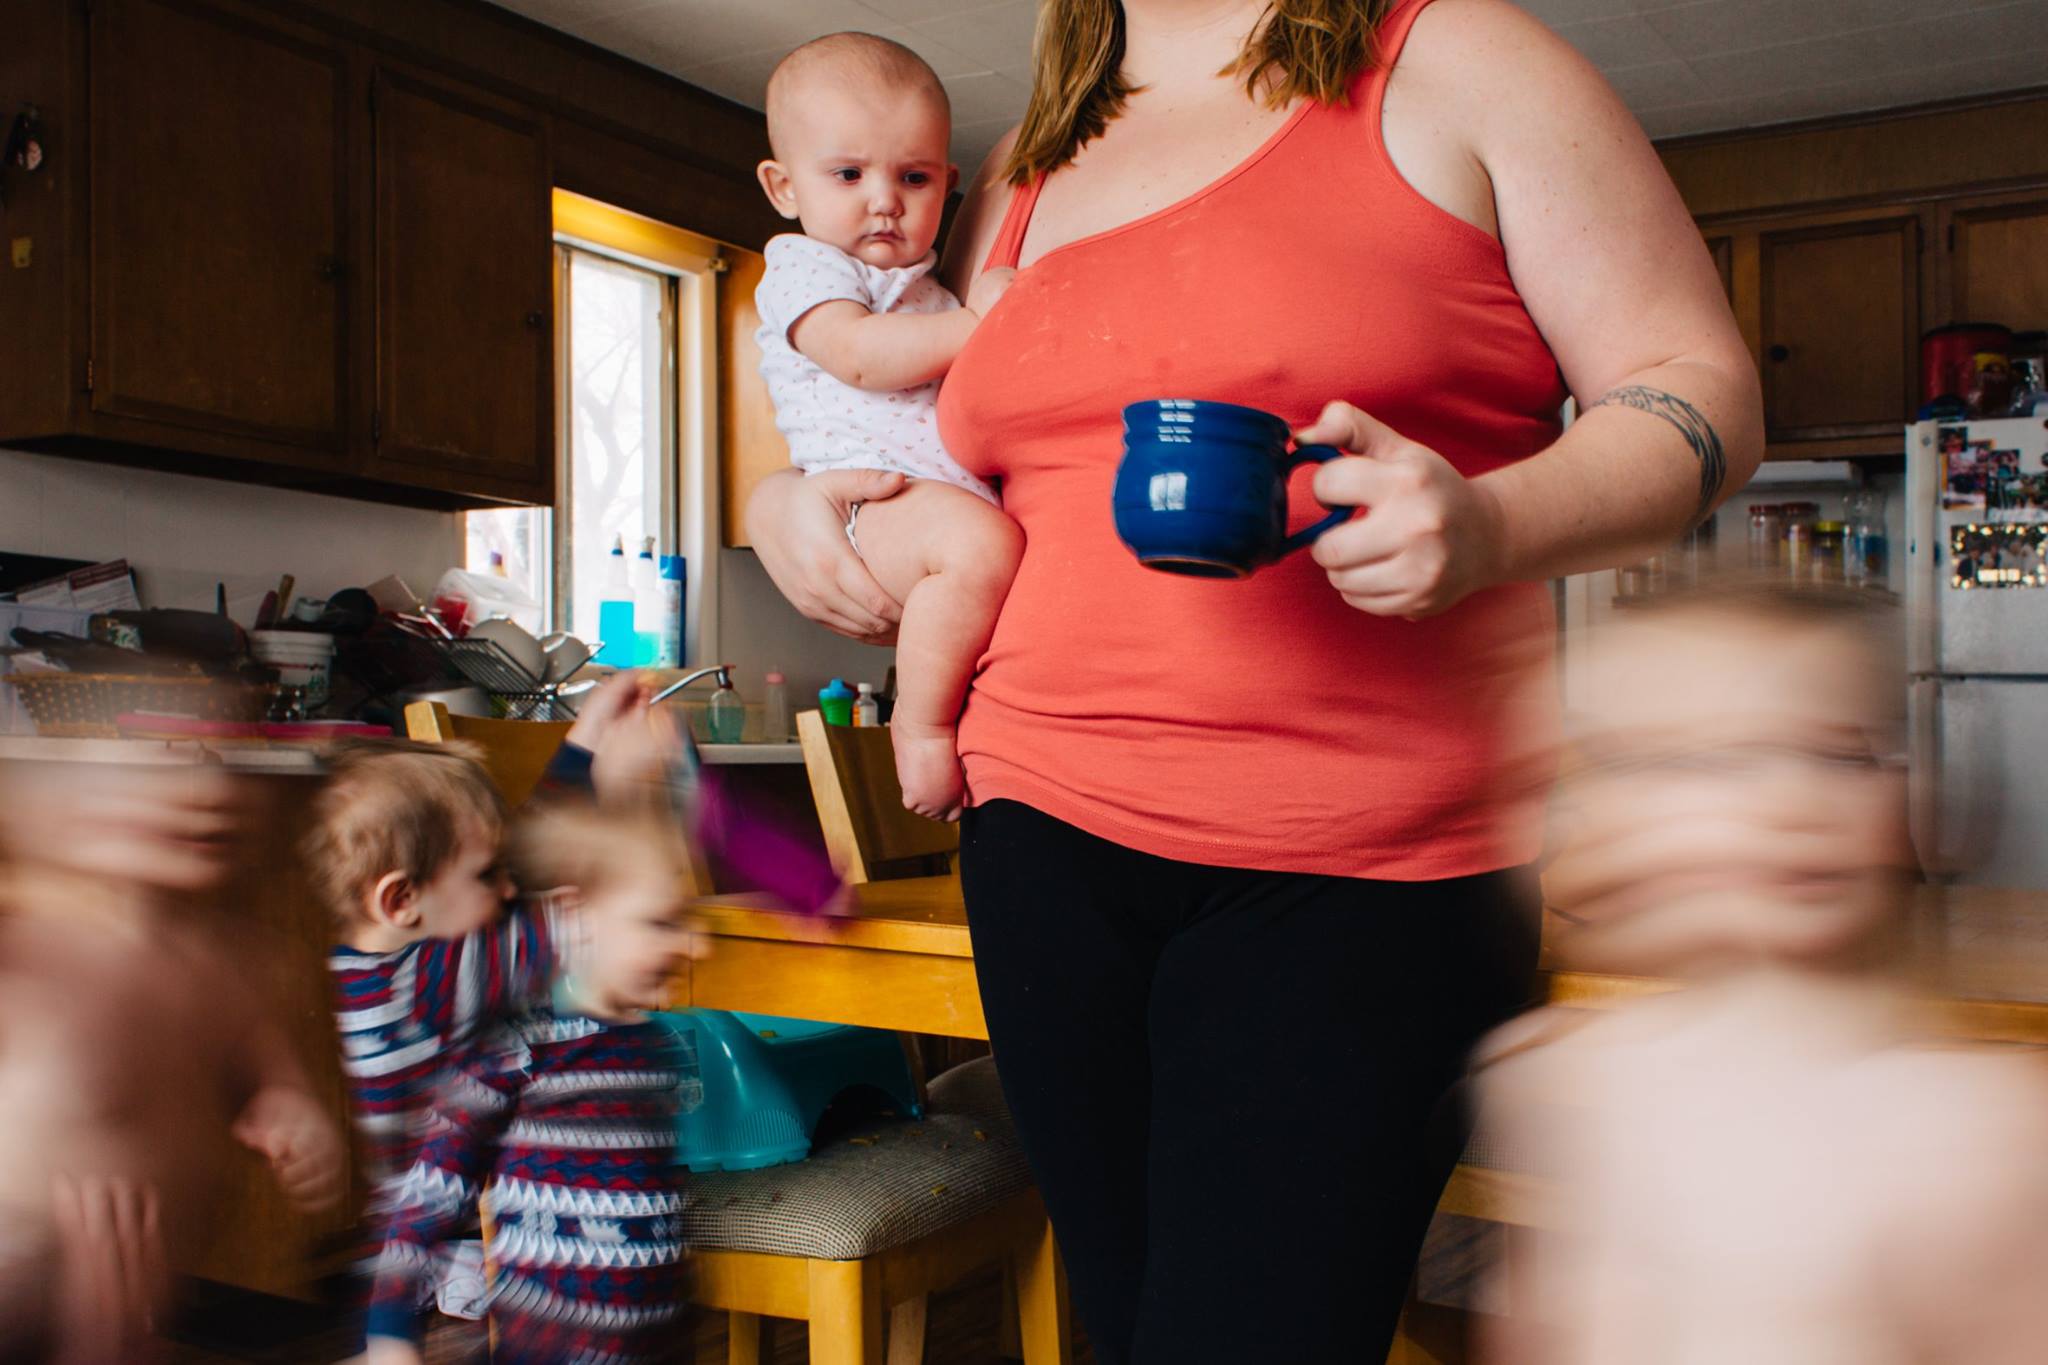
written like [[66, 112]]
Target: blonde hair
[[863, 56], [590, 847], [395, 806], [1299, 49]]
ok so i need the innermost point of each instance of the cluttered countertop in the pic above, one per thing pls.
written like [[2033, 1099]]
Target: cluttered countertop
[[89, 674]]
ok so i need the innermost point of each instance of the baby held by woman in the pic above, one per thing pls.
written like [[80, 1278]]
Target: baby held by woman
[[856, 332]]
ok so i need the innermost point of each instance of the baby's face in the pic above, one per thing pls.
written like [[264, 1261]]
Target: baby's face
[[864, 169], [1729, 798], [636, 936]]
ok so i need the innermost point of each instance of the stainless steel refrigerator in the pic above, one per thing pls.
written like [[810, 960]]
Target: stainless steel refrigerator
[[1977, 645]]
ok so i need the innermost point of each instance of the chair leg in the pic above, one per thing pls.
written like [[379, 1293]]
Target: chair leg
[[846, 1313], [1009, 1333], [906, 1331], [742, 1339], [1042, 1310]]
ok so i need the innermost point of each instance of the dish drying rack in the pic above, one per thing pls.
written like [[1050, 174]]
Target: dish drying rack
[[485, 663]]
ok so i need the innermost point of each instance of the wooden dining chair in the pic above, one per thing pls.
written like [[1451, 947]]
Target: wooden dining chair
[[873, 1224], [514, 752], [868, 833]]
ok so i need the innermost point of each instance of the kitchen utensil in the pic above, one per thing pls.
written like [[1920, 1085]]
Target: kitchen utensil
[[267, 613], [519, 646], [85, 705], [564, 654]]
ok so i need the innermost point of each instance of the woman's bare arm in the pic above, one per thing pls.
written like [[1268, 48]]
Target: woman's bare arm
[[1617, 279]]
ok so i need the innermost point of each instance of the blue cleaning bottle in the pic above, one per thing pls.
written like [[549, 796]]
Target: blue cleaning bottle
[[615, 612]]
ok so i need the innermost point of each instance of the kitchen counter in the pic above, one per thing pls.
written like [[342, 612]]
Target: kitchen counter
[[277, 758]]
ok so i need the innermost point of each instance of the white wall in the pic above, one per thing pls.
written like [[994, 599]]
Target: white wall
[[183, 535], [760, 631]]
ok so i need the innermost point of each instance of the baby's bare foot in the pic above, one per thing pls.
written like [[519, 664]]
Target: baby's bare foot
[[928, 768]]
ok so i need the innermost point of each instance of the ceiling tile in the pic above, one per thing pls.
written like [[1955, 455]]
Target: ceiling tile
[[986, 97], [743, 78], [1558, 13], [1657, 85], [941, 58], [1716, 26], [910, 11], [996, 37], [1625, 41], [681, 34]]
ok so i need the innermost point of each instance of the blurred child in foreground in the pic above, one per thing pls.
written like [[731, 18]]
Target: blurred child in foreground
[[1770, 1164], [131, 1051]]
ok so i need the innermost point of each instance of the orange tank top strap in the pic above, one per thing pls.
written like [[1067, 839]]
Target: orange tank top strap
[[1009, 244], [1388, 40]]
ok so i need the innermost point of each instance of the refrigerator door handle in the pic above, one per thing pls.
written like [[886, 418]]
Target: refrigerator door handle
[[1924, 778]]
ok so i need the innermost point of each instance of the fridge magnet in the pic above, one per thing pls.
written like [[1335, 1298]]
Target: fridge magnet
[[1964, 469], [23, 152], [1998, 555]]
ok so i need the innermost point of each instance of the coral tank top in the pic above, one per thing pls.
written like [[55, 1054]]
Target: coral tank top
[[1258, 723]]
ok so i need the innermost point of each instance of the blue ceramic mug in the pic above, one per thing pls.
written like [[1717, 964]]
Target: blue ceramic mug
[[1202, 489]]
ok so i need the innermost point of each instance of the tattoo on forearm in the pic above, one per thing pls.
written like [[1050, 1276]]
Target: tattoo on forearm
[[1692, 424]]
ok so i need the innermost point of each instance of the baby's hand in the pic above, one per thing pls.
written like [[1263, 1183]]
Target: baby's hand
[[288, 1127], [391, 1351], [987, 288]]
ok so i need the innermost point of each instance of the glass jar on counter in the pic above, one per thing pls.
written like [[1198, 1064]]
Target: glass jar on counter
[[1799, 518], [1638, 583], [1830, 547], [1866, 557], [1766, 536]]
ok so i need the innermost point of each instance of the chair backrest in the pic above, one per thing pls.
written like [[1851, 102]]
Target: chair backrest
[[868, 833], [515, 752]]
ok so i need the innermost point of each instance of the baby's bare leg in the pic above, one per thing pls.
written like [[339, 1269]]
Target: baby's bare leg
[[948, 557]]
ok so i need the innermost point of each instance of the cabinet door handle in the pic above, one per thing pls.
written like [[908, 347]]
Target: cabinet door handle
[[536, 319], [1779, 353]]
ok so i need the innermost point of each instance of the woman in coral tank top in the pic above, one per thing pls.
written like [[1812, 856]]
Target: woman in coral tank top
[[1244, 871]]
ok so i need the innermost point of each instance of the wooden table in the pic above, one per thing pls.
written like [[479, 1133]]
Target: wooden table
[[901, 960]]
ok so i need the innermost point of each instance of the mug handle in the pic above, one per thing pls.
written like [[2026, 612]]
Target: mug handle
[[1306, 536]]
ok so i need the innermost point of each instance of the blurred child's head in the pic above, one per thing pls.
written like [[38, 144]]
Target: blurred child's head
[[1731, 794], [860, 128], [405, 843], [632, 879]]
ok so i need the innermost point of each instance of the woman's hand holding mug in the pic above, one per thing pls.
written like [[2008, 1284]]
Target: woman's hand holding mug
[[1430, 537]]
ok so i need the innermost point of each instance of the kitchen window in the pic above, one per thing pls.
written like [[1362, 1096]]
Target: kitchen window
[[635, 318]]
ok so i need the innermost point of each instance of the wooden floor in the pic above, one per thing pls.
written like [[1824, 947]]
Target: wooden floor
[[220, 1329]]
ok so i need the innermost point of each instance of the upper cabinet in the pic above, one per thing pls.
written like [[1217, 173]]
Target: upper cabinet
[[464, 336], [220, 228], [1840, 243], [1840, 320], [284, 258], [1997, 259]]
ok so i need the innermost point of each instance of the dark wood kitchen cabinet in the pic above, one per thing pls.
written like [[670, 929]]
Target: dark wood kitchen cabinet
[[261, 249], [464, 335], [221, 238], [1839, 314]]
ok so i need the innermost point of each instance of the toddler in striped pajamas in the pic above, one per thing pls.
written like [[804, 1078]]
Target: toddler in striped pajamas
[[563, 1121]]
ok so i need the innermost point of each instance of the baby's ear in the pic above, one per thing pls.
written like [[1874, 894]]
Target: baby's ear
[[776, 185], [952, 178], [394, 900]]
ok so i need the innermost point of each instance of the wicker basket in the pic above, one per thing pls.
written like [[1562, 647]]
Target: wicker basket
[[84, 705]]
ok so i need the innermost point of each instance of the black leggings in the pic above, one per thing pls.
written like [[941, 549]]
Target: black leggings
[[1231, 1084]]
